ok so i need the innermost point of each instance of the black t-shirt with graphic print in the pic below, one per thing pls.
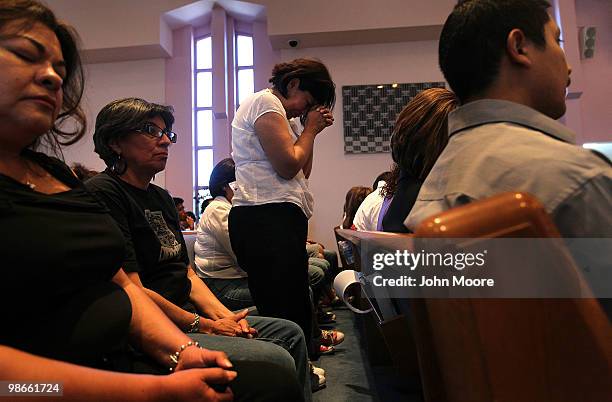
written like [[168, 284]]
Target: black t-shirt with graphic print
[[155, 247]]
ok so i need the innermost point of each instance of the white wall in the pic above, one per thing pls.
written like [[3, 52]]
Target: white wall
[[353, 22], [334, 172], [109, 81], [596, 111]]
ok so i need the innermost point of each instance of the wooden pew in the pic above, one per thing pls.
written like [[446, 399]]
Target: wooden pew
[[511, 349]]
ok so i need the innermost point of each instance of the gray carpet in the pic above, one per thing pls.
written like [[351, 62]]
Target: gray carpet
[[350, 376]]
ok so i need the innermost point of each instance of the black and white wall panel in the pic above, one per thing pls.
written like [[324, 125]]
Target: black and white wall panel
[[370, 111]]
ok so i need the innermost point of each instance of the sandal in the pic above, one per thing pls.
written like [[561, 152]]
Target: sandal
[[331, 337]]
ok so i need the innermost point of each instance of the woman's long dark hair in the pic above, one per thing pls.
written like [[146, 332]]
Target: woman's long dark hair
[[31, 12], [420, 135], [354, 198]]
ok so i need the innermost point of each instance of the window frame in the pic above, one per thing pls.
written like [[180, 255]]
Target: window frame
[[239, 68], [197, 147]]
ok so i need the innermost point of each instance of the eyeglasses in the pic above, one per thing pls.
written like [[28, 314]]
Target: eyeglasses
[[152, 130]]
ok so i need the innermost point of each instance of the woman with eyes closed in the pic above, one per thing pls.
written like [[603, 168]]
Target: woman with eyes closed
[[68, 310]]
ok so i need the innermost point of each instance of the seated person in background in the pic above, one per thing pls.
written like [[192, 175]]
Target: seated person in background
[[191, 219], [316, 258], [186, 222], [82, 172], [329, 255], [354, 198], [503, 137], [133, 138], [69, 312], [215, 261], [319, 260], [204, 204], [419, 136], [366, 217]]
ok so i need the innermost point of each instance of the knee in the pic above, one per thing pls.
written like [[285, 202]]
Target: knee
[[315, 275], [272, 353], [266, 381], [291, 329], [281, 332]]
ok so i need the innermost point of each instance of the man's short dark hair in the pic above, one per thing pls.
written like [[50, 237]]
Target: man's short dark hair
[[177, 201], [474, 37], [204, 205], [222, 174]]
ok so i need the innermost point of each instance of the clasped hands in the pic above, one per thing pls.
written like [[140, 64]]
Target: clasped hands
[[202, 374], [319, 117], [234, 325]]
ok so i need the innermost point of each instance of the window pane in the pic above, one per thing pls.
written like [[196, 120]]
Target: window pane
[[204, 53], [205, 128], [204, 89], [244, 50], [205, 166], [245, 84]]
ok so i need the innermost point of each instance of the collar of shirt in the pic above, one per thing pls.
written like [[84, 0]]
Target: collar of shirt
[[222, 199], [487, 111]]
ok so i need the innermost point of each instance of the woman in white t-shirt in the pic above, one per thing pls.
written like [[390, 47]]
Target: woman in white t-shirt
[[268, 222]]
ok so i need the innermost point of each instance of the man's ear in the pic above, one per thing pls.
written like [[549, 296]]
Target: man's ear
[[517, 48]]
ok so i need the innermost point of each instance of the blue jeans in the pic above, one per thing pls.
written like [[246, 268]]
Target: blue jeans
[[331, 257], [233, 293], [280, 341], [316, 275], [312, 250]]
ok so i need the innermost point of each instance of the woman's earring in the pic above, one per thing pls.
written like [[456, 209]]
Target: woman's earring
[[119, 167]]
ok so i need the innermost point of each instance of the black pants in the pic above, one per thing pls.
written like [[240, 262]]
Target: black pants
[[270, 244]]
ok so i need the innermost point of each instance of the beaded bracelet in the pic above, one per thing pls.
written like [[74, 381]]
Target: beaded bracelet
[[174, 357], [195, 325]]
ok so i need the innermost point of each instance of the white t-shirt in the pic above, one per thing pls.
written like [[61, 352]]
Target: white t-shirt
[[366, 217], [214, 257], [257, 182]]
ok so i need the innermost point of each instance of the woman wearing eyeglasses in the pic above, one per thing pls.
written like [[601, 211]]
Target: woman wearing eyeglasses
[[68, 310], [133, 137]]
